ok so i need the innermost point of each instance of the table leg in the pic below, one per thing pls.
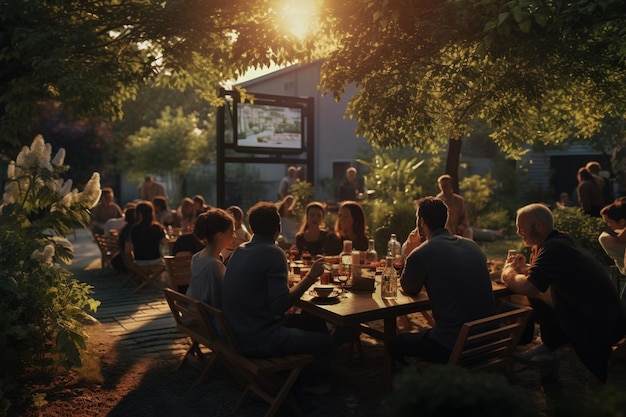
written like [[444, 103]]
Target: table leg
[[389, 331]]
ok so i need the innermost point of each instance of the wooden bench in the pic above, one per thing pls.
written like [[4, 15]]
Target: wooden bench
[[269, 378]]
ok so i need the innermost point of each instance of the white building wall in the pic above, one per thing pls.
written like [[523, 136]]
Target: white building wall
[[335, 137]]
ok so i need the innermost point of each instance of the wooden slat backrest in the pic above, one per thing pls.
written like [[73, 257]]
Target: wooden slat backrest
[[108, 246], [189, 319], [227, 337], [269, 378], [217, 319], [178, 270], [488, 343]]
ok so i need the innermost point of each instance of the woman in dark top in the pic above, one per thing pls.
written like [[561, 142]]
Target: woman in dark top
[[311, 237], [146, 236], [350, 226]]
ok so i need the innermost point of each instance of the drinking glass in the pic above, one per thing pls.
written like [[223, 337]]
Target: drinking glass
[[398, 264], [342, 280]]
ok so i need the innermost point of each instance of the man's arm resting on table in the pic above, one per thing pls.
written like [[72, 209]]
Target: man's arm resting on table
[[519, 283]]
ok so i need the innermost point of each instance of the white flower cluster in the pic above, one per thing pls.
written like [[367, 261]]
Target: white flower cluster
[[38, 156], [88, 197], [46, 256]]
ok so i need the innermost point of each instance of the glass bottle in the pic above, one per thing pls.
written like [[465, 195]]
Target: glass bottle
[[394, 247], [371, 255], [389, 280], [345, 260]]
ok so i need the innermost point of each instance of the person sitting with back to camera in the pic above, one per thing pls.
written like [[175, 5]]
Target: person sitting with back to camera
[[146, 236], [256, 297], [454, 271]]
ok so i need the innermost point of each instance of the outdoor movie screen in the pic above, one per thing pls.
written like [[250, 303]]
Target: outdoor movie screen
[[269, 128]]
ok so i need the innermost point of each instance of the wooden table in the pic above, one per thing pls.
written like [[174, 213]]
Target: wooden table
[[363, 307]]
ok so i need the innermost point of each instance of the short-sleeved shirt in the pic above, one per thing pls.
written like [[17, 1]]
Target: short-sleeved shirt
[[147, 241], [586, 302], [454, 272]]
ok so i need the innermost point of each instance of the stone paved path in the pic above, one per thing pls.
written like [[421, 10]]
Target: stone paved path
[[142, 321]]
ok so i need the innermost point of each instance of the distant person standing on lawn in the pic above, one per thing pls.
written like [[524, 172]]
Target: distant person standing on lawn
[[151, 189], [458, 222], [572, 296]]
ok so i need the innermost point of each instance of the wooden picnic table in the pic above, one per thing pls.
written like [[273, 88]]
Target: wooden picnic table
[[363, 307]]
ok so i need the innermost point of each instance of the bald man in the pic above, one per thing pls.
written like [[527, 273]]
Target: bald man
[[571, 293]]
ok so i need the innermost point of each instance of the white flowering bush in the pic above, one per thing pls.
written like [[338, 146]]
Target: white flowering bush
[[41, 304]]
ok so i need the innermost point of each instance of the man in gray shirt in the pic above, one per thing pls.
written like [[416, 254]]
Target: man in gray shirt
[[454, 271]]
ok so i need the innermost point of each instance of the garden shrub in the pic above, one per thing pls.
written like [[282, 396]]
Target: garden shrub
[[384, 218], [584, 228], [445, 390], [40, 303]]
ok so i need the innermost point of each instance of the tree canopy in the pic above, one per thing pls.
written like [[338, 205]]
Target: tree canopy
[[533, 70], [91, 56]]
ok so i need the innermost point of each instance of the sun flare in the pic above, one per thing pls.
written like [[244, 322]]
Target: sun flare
[[299, 17]]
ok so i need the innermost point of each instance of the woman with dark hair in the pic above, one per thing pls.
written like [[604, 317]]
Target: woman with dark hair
[[350, 226], [311, 236], [185, 215], [215, 228], [146, 236]]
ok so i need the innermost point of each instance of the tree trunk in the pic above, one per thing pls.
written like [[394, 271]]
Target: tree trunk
[[452, 161]]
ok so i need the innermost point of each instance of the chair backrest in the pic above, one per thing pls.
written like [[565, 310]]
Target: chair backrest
[[188, 317], [178, 271], [488, 343], [108, 245], [217, 319]]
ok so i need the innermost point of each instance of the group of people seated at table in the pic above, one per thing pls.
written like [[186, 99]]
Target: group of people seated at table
[[573, 299]]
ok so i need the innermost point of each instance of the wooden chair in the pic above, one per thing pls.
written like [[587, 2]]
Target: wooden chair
[[178, 271], [148, 274], [488, 343], [145, 274], [109, 248], [269, 378], [190, 322]]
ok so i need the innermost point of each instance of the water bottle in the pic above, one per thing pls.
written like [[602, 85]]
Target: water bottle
[[389, 281], [394, 248], [371, 255], [345, 260]]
